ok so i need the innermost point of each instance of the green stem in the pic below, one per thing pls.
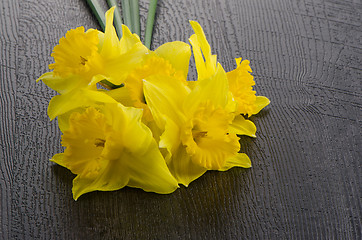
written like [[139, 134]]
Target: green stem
[[117, 17], [135, 8], [98, 12], [107, 84], [126, 9], [150, 22]]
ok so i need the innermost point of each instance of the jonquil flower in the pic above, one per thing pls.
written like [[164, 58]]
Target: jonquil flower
[[240, 80], [83, 59], [196, 125], [200, 124], [91, 53], [111, 148], [206, 65]]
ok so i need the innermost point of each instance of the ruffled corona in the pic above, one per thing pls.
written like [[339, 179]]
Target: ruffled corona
[[207, 139], [85, 141], [72, 54], [111, 149], [241, 85]]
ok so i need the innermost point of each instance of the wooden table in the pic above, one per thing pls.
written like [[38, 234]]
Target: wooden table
[[305, 182]]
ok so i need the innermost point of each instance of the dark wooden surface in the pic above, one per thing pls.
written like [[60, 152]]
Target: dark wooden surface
[[305, 182]]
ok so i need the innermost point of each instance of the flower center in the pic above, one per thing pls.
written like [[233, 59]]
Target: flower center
[[83, 60], [198, 134], [99, 142], [206, 137], [74, 51]]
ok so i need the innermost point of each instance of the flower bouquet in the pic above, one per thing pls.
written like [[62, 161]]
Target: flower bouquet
[[130, 117]]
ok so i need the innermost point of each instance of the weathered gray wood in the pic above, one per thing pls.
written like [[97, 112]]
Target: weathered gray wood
[[8, 65], [306, 175]]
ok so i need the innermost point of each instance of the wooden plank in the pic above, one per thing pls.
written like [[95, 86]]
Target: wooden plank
[[306, 175], [8, 65]]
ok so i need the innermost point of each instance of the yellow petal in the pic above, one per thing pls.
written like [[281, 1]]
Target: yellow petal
[[214, 89], [241, 126], [113, 178], [150, 172], [128, 40], [170, 139], [61, 104], [121, 95], [135, 135], [178, 54], [239, 160], [231, 105], [58, 159], [117, 69], [260, 103], [61, 84], [183, 169], [201, 49], [199, 60], [165, 96], [111, 47]]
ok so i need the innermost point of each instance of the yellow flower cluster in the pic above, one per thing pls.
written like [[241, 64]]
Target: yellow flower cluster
[[151, 129]]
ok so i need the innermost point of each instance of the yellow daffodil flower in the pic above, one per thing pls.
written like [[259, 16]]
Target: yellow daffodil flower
[[196, 125], [72, 68], [91, 53], [83, 59], [206, 67], [72, 54], [119, 57], [111, 148], [240, 80], [169, 60]]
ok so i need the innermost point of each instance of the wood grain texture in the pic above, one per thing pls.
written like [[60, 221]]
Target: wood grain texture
[[8, 65], [305, 182]]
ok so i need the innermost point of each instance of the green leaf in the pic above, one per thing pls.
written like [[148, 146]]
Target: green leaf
[[150, 22], [126, 10], [135, 14], [98, 12]]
